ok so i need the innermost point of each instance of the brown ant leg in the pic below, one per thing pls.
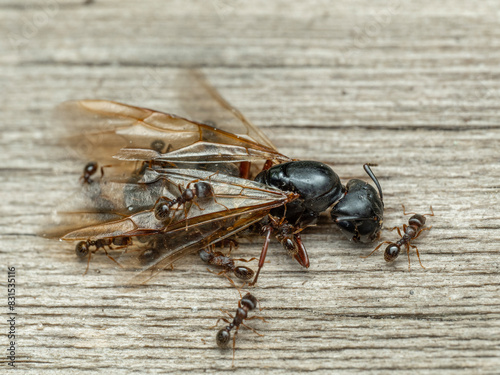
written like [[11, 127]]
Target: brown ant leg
[[255, 317], [245, 170], [378, 247], [268, 164], [88, 264], [418, 255], [391, 229], [408, 253], [224, 273], [218, 320], [102, 169], [407, 213], [252, 329], [263, 253], [421, 230], [113, 259], [244, 260], [234, 342]]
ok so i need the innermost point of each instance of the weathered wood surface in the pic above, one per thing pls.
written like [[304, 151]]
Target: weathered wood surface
[[413, 87]]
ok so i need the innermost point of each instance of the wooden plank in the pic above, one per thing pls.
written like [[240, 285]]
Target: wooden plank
[[412, 87]]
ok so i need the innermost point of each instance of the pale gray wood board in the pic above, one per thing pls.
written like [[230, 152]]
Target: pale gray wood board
[[413, 87]]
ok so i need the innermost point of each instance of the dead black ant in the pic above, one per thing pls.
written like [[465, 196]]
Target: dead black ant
[[247, 303], [410, 232]]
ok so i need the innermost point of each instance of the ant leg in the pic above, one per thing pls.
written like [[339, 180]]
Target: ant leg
[[245, 169], [263, 254], [224, 273], [399, 230], [110, 257], [218, 320], [232, 244], [407, 213], [88, 264], [234, 342], [418, 255], [268, 164], [421, 230], [408, 253], [102, 169], [257, 317], [244, 260], [378, 247], [251, 329]]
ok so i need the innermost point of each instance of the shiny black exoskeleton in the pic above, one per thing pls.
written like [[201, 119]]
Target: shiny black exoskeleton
[[356, 208]]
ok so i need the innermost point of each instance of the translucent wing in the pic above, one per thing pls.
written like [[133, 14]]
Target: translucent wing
[[174, 245], [236, 203], [139, 134], [204, 102]]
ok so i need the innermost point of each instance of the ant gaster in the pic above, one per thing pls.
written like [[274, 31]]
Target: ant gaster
[[410, 232]]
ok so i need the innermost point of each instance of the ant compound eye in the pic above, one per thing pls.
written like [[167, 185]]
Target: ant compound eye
[[222, 338], [391, 252]]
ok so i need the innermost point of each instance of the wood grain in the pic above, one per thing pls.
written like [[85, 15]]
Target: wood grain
[[413, 87]]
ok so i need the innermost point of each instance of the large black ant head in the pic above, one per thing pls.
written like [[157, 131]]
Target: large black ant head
[[359, 214]]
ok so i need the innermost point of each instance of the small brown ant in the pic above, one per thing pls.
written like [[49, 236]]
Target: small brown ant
[[247, 303], [89, 170], [201, 190], [410, 232], [83, 250], [216, 258]]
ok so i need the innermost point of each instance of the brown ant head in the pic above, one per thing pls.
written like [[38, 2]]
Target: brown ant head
[[417, 220], [249, 301], [391, 252]]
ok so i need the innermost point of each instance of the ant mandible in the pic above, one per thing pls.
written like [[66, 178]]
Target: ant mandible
[[410, 232]]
